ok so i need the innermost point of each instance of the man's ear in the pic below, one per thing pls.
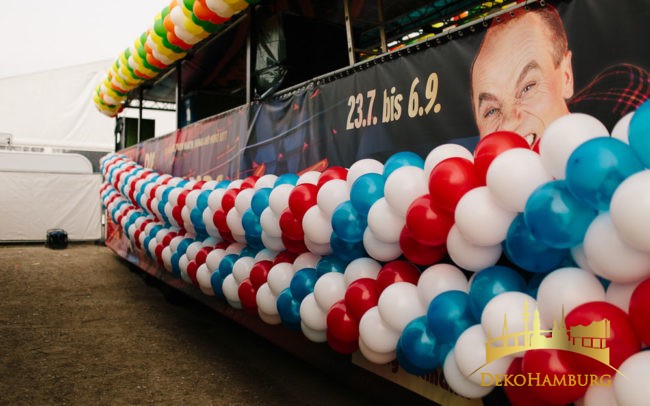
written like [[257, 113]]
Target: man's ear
[[567, 75]]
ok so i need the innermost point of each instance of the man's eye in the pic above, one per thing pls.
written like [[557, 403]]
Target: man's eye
[[528, 87], [490, 112]]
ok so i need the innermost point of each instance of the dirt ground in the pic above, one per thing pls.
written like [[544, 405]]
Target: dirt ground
[[78, 327]]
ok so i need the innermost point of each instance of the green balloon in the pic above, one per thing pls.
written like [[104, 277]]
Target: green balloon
[[171, 46], [206, 25], [165, 12], [159, 28]]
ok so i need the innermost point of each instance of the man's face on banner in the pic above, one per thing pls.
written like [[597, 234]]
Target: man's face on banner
[[516, 83]]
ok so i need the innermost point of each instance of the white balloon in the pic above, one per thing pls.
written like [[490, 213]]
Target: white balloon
[[513, 176], [308, 177], [469, 256], [470, 356], [612, 258], [241, 269], [265, 255], [565, 289], [267, 318], [619, 294], [631, 384], [279, 277], [403, 186], [173, 244], [193, 249], [235, 184], [329, 289], [317, 226], [318, 249], [235, 248], [306, 260], [266, 300], [270, 223], [399, 304], [331, 194], [361, 268], [362, 167], [515, 308], [209, 185], [440, 278], [376, 357], [385, 223], [208, 218], [167, 258], [203, 276], [630, 210], [190, 199], [480, 219], [265, 181], [598, 395], [243, 200], [311, 314], [214, 259], [231, 291], [317, 336], [182, 264], [622, 127], [376, 334], [272, 243], [457, 381], [379, 250], [578, 255], [442, 152], [214, 199], [279, 198], [233, 219], [563, 136]]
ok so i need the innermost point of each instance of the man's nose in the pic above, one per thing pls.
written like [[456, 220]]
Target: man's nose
[[512, 118]]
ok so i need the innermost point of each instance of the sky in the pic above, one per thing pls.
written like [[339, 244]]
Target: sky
[[42, 35]]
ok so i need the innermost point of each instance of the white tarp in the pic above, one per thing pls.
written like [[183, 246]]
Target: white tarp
[[55, 108], [32, 203]]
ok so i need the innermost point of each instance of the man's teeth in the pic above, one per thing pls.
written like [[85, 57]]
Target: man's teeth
[[530, 138]]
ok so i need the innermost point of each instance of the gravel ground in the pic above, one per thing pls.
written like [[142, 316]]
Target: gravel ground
[[78, 327]]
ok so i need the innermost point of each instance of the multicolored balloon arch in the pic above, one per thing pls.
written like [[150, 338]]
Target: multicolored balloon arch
[[176, 30], [375, 257]]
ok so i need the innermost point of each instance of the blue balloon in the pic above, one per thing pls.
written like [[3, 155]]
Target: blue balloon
[[303, 283], [182, 246], [223, 184], [161, 209], [347, 223], [216, 281], [286, 179], [597, 167], [417, 350], [528, 253], [226, 264], [182, 183], [404, 158], [176, 270], [347, 251], [202, 200], [288, 309], [260, 200], [639, 133], [556, 217], [251, 223], [249, 251], [196, 217], [450, 314], [154, 230], [145, 245], [254, 242], [330, 263], [365, 191], [491, 282]]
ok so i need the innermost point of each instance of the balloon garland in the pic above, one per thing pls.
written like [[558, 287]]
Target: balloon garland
[[356, 257], [176, 29]]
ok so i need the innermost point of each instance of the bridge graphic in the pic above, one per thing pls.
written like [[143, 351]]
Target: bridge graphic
[[590, 340]]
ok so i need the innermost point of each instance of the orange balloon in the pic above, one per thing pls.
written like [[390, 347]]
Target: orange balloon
[[155, 62], [202, 12]]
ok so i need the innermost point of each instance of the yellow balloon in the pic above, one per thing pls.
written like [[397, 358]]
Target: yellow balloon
[[220, 7], [237, 5]]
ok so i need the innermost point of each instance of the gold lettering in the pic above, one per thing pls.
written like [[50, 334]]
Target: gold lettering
[[606, 380], [483, 383], [559, 382], [523, 379], [530, 379], [572, 380]]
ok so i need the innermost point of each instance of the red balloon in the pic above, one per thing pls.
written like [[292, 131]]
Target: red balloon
[[397, 271], [182, 198], [428, 225], [219, 220], [295, 246], [290, 225], [640, 311], [247, 294], [285, 256], [622, 341], [552, 363], [202, 255], [176, 214], [301, 199], [260, 272], [192, 267], [136, 238], [340, 325], [249, 182], [333, 172], [450, 180], [521, 395], [198, 185], [228, 199], [342, 347], [491, 146], [159, 248], [168, 238], [418, 253], [360, 296], [222, 245]]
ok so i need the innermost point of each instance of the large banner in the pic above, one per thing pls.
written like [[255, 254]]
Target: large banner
[[517, 72]]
